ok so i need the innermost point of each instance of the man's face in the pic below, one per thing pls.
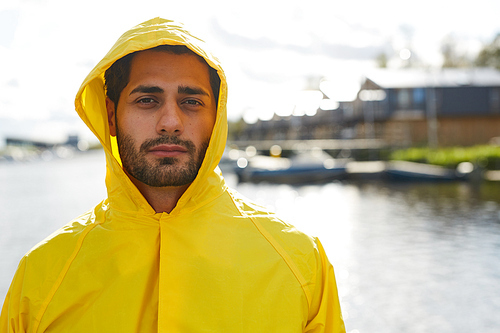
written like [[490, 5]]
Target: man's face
[[164, 118]]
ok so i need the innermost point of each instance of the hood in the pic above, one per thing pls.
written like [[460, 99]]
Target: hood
[[90, 105]]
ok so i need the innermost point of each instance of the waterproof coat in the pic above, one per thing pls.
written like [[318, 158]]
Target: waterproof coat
[[215, 263]]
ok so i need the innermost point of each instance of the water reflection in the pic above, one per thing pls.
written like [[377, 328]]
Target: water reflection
[[408, 257]]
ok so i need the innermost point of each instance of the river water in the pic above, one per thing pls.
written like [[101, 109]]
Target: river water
[[408, 257]]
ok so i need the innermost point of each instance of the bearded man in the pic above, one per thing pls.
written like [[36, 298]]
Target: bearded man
[[171, 248]]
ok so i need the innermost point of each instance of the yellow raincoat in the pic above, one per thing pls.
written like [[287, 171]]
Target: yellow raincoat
[[216, 263]]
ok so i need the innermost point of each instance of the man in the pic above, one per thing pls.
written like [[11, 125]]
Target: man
[[171, 249]]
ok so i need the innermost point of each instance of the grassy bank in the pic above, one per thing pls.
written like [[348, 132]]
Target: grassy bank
[[488, 157]]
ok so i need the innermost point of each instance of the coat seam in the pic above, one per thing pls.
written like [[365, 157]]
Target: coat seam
[[62, 274], [279, 249]]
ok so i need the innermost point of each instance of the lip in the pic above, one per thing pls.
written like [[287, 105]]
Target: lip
[[168, 150]]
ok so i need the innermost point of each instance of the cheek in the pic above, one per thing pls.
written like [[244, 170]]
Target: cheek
[[200, 129], [135, 125], [208, 126]]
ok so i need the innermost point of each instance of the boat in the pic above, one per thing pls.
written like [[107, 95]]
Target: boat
[[306, 167], [411, 171]]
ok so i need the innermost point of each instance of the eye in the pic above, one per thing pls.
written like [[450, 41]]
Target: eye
[[146, 102], [192, 102]]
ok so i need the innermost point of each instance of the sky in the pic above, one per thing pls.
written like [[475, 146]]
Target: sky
[[272, 51]]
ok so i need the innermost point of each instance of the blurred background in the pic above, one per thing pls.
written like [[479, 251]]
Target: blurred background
[[373, 125]]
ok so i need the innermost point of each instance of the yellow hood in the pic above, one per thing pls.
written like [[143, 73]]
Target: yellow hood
[[91, 106]]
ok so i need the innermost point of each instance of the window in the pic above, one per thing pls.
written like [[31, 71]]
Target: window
[[418, 96], [403, 99]]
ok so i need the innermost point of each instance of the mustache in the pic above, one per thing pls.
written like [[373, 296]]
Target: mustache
[[164, 140]]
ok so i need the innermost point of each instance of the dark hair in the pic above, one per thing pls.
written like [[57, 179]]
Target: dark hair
[[117, 76]]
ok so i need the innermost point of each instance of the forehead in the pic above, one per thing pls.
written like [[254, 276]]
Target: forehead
[[152, 63]]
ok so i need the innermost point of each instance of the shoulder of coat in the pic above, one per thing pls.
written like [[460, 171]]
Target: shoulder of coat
[[65, 238], [272, 225]]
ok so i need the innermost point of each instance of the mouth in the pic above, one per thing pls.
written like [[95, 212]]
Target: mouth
[[168, 150]]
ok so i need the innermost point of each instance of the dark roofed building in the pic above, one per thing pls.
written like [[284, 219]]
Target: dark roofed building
[[415, 106], [405, 107]]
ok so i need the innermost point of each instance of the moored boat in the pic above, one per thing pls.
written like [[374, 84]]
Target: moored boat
[[302, 168]]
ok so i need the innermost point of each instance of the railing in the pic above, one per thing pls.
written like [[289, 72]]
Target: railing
[[327, 144]]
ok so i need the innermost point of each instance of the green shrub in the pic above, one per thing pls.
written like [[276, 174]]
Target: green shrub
[[487, 157]]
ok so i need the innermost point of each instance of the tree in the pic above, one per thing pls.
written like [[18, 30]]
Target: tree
[[235, 129], [452, 57], [489, 56], [381, 60]]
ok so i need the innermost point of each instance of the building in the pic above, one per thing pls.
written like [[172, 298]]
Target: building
[[405, 107], [444, 107]]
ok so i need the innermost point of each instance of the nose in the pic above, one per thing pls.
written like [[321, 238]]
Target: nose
[[169, 120]]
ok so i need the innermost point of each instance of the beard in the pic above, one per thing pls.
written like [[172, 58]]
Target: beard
[[166, 171]]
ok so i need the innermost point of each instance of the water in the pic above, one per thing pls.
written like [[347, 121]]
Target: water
[[407, 257], [38, 197]]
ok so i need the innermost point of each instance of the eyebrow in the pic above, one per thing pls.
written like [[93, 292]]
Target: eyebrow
[[192, 91], [181, 90], [147, 90]]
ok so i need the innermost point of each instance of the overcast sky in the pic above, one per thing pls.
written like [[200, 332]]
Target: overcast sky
[[271, 50]]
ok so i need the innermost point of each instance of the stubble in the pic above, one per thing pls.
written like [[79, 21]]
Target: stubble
[[165, 171]]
